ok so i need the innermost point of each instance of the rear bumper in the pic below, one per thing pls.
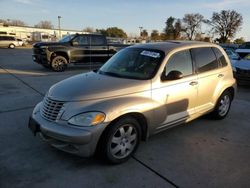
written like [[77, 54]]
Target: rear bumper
[[75, 140]]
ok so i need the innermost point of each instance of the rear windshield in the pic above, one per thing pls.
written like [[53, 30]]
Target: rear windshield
[[133, 63]]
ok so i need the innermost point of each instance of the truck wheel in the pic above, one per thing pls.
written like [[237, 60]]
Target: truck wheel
[[223, 106], [59, 63], [121, 140], [12, 46]]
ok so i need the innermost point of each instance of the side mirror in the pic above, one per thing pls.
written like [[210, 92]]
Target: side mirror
[[172, 75]]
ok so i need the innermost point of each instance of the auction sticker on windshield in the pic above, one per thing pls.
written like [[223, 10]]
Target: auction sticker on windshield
[[150, 54]]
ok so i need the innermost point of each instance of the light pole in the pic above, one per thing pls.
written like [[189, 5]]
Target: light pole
[[59, 26], [140, 30]]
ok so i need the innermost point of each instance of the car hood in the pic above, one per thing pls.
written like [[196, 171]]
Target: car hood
[[92, 86], [242, 64]]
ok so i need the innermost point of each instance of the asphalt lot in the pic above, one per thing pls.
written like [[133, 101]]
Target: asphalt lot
[[203, 153]]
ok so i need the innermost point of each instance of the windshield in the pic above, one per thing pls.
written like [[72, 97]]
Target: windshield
[[133, 63], [67, 38]]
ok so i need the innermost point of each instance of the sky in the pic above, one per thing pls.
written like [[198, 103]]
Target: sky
[[126, 14]]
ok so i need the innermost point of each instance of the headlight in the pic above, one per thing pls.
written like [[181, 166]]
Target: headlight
[[87, 119]]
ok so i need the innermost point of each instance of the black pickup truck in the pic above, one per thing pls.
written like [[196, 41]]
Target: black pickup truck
[[77, 48]]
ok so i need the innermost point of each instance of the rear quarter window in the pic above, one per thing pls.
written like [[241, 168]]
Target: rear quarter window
[[205, 59], [221, 58]]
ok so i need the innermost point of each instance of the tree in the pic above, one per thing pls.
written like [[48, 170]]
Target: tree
[[144, 34], [102, 31], [169, 29], [13, 22], [45, 25], [155, 35], [113, 32], [89, 29], [226, 24], [173, 28], [192, 24], [240, 40]]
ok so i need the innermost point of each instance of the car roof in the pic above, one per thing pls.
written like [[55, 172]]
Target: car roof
[[168, 46]]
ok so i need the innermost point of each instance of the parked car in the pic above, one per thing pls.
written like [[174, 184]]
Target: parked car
[[241, 70], [8, 41], [77, 48], [243, 49], [140, 91], [233, 56], [20, 42]]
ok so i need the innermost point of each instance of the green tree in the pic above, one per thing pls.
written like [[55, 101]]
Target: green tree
[[173, 28], [226, 24], [115, 32], [169, 29], [144, 34], [240, 40], [192, 24], [155, 35]]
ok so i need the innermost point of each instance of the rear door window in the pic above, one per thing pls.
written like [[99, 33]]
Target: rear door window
[[205, 59], [97, 40]]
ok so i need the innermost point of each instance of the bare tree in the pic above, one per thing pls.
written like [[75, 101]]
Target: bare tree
[[17, 23], [45, 25], [226, 23], [89, 29], [192, 24]]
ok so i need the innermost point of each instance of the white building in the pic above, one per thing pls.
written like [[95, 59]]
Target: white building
[[35, 34]]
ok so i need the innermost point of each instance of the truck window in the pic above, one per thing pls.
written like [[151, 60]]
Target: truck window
[[97, 40], [82, 40]]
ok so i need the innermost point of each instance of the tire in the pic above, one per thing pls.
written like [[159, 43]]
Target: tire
[[12, 46], [223, 106], [121, 140], [59, 64]]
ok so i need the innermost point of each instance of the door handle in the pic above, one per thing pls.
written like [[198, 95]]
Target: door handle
[[220, 75], [193, 83]]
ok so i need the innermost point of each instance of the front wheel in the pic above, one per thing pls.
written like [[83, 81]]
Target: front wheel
[[59, 63], [223, 106], [121, 140]]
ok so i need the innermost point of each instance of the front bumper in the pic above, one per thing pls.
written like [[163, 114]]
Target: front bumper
[[40, 59], [61, 135]]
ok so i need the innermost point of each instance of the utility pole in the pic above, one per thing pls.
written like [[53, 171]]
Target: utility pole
[[59, 26]]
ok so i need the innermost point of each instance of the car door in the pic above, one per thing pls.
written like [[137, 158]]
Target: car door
[[209, 76], [99, 49], [177, 97], [81, 49]]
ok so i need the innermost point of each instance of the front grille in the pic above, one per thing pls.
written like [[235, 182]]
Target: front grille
[[51, 108]]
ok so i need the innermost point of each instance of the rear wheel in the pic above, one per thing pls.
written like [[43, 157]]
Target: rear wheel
[[12, 46], [223, 106], [121, 140], [59, 63]]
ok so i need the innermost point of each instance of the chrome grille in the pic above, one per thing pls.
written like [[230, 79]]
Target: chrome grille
[[51, 109]]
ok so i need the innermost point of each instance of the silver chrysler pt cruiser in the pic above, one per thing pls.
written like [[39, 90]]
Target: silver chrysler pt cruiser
[[140, 91]]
